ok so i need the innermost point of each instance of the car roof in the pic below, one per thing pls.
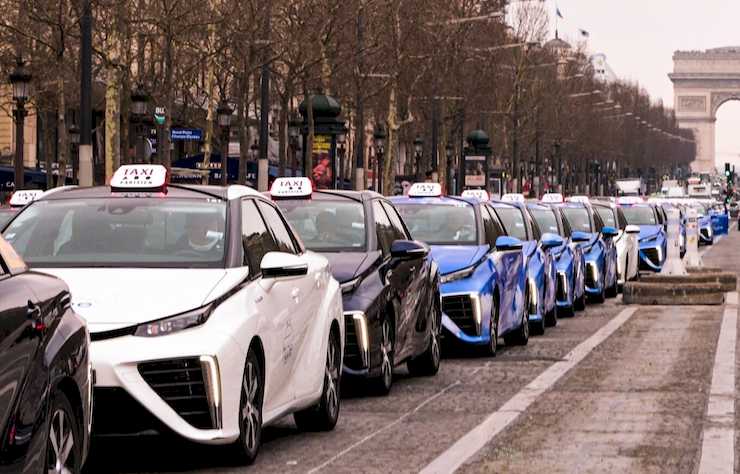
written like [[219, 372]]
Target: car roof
[[174, 191], [539, 206], [434, 200]]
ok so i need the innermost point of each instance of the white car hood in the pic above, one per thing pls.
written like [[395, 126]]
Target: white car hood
[[112, 298]]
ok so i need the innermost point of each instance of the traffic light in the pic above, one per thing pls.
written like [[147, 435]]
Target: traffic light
[[728, 171]]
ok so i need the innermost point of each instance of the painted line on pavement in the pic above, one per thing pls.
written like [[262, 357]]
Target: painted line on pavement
[[718, 438], [478, 437]]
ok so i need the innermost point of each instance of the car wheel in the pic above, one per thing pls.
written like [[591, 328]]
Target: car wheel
[[491, 348], [382, 385], [551, 318], [428, 363], [250, 410], [324, 415], [520, 337], [63, 445], [613, 290]]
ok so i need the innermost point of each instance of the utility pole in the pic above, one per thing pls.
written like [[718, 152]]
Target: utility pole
[[263, 168], [86, 152]]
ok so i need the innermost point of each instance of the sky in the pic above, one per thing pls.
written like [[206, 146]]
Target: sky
[[640, 36]]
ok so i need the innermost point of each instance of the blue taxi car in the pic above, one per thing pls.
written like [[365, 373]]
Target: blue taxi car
[[570, 292], [597, 245], [483, 279], [538, 260], [652, 240]]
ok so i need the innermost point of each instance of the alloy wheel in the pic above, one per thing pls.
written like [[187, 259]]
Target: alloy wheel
[[331, 379], [61, 444], [386, 351], [251, 418], [435, 340]]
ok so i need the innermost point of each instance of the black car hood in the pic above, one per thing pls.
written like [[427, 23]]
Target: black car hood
[[347, 265]]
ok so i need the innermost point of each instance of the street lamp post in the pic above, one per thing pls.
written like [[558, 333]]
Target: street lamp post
[[449, 151], [224, 113], [418, 153], [379, 136], [74, 141], [139, 99], [19, 80]]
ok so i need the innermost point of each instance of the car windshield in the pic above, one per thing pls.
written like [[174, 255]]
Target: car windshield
[[121, 232], [701, 210], [441, 224], [577, 218], [640, 215], [327, 225], [5, 217], [513, 222], [546, 221], [607, 215]]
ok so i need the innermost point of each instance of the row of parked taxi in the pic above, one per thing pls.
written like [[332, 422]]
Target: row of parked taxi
[[211, 312]]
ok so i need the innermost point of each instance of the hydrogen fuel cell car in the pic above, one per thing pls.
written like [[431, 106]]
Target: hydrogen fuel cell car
[[539, 262], [45, 375], [599, 252], [208, 317], [390, 284], [628, 259], [652, 237], [483, 277], [570, 295]]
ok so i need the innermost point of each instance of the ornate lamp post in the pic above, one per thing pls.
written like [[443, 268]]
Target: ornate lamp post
[[379, 136], [74, 141], [224, 113], [341, 151], [19, 80], [418, 152], [139, 100]]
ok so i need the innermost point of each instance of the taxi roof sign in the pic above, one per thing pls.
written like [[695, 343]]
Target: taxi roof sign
[[291, 187], [425, 190], [25, 196], [630, 200], [581, 199], [479, 194], [513, 197], [140, 177], [553, 198]]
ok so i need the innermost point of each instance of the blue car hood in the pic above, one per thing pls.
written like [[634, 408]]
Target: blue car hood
[[451, 258], [647, 231]]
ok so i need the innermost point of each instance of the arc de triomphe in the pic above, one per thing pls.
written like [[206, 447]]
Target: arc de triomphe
[[702, 82]]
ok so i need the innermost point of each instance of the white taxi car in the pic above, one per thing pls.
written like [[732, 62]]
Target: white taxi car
[[204, 308]]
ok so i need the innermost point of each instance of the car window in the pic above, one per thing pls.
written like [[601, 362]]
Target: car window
[[396, 223], [280, 231], [441, 224], [532, 229], [546, 221], [491, 226], [256, 240], [513, 221], [10, 259], [578, 219], [640, 215], [598, 223], [383, 228], [607, 216], [327, 225]]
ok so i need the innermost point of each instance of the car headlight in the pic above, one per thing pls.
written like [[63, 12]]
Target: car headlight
[[173, 324], [458, 275], [350, 286]]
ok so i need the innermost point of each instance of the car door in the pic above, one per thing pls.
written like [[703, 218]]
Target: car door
[[417, 297], [275, 307], [20, 330], [309, 330], [399, 277]]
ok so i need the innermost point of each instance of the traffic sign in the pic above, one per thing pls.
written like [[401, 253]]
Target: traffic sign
[[160, 113], [190, 134]]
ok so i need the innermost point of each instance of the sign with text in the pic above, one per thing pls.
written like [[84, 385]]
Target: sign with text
[[475, 171], [186, 134]]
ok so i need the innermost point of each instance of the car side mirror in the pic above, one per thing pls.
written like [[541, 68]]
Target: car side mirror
[[632, 229], [579, 236], [408, 250], [281, 265], [506, 243], [608, 231], [550, 240]]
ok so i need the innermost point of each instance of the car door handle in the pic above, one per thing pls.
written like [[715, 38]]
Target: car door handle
[[295, 294]]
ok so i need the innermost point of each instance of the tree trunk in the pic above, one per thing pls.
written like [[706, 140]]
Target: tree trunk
[[164, 149], [391, 142], [210, 82], [308, 152], [112, 120], [283, 133]]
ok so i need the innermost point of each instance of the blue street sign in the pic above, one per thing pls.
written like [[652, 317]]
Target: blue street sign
[[192, 134]]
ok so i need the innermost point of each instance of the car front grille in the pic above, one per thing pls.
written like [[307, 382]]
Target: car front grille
[[352, 357], [460, 309], [115, 412], [179, 382], [591, 276], [652, 255], [705, 233], [562, 291]]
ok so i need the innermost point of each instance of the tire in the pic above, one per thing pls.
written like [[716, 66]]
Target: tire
[[490, 349], [613, 290], [250, 410], [427, 364], [520, 337], [324, 415], [551, 318], [565, 312], [382, 385], [63, 441]]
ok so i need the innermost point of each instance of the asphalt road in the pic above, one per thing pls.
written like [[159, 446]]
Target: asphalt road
[[636, 403]]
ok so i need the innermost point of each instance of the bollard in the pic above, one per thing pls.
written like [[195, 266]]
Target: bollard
[[673, 264], [692, 258]]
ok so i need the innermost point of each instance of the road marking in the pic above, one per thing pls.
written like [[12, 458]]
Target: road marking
[[718, 438], [478, 437], [389, 425]]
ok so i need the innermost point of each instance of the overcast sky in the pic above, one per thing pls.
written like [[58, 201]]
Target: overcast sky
[[640, 36]]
